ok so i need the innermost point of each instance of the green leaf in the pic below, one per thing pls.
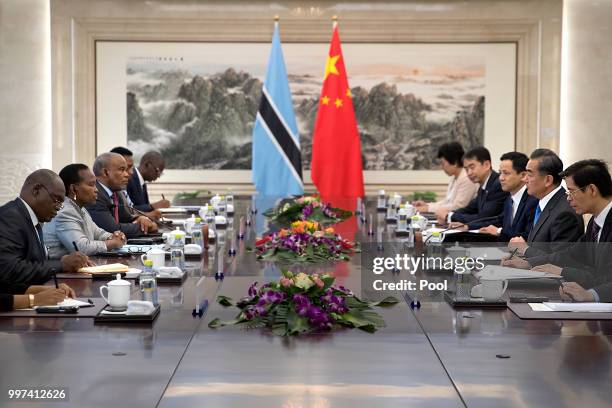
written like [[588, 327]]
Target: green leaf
[[386, 302], [295, 323], [252, 324], [279, 329], [224, 300], [370, 328], [355, 303], [361, 318], [215, 323]]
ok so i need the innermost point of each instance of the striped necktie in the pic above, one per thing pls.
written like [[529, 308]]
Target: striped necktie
[[116, 209], [595, 231]]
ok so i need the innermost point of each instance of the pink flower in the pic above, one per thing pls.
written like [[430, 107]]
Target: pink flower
[[285, 282], [318, 281]]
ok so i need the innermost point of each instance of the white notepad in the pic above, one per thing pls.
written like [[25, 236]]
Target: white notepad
[[571, 307], [487, 253], [172, 210], [498, 272]]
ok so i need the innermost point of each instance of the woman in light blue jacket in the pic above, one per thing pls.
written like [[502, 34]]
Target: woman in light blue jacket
[[73, 224]]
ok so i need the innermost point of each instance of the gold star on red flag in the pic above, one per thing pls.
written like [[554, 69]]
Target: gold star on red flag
[[325, 100], [338, 103]]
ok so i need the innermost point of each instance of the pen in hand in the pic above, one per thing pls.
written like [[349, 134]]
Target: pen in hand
[[55, 279], [513, 253]]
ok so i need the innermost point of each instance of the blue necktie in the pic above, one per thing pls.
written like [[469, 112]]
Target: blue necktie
[[537, 214]]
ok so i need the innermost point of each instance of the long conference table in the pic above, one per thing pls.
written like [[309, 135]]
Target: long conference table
[[433, 356]]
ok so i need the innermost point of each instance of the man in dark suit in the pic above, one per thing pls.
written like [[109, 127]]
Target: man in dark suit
[[555, 224], [589, 261], [489, 201], [151, 167], [519, 208], [129, 159], [110, 211], [23, 255]]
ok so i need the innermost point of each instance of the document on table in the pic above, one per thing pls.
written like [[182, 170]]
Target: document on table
[[488, 253], [497, 272], [176, 221], [172, 210], [108, 268], [67, 302], [571, 307], [431, 230]]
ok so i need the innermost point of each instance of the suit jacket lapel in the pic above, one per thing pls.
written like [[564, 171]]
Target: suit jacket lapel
[[606, 231], [545, 214], [521, 207], [30, 229]]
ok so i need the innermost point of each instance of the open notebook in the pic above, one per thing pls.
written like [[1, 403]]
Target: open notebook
[[497, 272], [571, 307], [108, 268]]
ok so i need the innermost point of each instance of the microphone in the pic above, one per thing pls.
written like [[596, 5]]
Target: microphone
[[464, 224]]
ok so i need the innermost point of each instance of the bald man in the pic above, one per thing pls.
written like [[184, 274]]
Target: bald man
[[151, 167], [110, 211], [23, 255]]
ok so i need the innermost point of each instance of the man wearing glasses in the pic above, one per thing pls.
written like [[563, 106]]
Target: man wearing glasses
[[555, 223], [588, 262], [23, 255], [151, 167]]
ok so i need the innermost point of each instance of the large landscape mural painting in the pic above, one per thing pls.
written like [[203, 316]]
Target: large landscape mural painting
[[199, 111]]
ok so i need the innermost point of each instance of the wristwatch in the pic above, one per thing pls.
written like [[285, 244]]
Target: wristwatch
[[31, 297]]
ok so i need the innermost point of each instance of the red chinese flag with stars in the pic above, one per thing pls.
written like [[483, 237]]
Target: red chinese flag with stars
[[336, 150]]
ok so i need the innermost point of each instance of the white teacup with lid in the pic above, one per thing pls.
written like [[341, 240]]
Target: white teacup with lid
[[157, 255], [118, 293]]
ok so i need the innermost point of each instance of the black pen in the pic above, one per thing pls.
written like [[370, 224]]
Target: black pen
[[513, 253], [55, 279], [76, 248]]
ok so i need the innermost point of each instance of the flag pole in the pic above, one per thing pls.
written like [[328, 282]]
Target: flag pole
[[276, 18], [335, 21]]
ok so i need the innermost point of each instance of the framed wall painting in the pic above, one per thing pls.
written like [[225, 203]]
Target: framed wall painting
[[196, 102]]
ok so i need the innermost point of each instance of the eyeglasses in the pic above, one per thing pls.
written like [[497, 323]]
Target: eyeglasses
[[133, 249], [59, 203], [570, 193]]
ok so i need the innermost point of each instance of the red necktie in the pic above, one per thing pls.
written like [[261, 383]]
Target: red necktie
[[116, 202]]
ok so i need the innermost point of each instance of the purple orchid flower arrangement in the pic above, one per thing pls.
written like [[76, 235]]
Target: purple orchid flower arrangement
[[309, 208], [305, 242], [301, 304]]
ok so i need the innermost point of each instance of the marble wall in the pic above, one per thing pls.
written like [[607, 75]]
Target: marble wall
[[586, 103], [25, 92]]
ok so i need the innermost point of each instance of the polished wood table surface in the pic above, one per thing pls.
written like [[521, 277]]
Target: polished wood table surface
[[432, 356]]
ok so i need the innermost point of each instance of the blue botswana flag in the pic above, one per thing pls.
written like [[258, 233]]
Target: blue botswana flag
[[277, 161]]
